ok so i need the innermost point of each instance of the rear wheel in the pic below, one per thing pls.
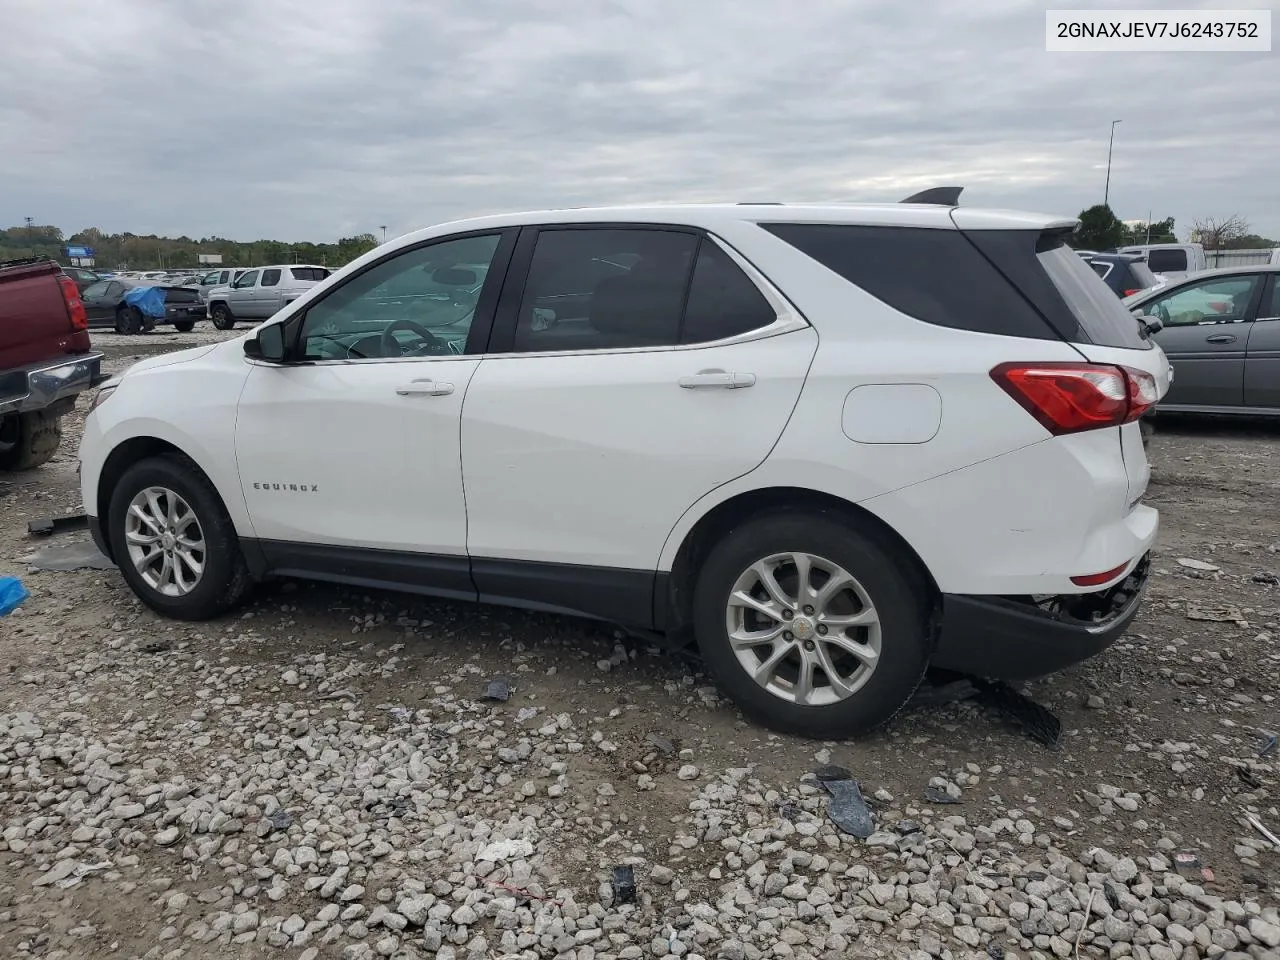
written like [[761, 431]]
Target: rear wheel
[[810, 625], [221, 316], [129, 320], [28, 439], [184, 326], [173, 541]]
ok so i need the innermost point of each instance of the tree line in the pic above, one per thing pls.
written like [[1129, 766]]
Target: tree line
[[130, 251], [1100, 229]]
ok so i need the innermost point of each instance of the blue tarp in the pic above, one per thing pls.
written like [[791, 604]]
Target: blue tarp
[[149, 300], [12, 593]]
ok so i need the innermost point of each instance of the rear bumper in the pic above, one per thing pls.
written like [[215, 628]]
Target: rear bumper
[[1014, 639], [27, 389]]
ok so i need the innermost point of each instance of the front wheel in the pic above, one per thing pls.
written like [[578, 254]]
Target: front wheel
[[129, 320], [184, 326], [810, 625], [221, 317], [173, 541]]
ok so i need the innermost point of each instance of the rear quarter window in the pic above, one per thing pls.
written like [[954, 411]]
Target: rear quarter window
[[934, 275]]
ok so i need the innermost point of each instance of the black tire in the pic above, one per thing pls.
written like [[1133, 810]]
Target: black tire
[[184, 326], [225, 581], [28, 440], [128, 320], [901, 601], [221, 316]]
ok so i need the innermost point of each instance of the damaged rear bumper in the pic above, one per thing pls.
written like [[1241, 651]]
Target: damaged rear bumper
[[1018, 638]]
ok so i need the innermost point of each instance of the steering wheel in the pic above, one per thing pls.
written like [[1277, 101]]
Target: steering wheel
[[431, 345]]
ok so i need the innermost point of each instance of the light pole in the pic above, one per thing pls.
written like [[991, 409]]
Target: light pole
[[384, 233], [1106, 192]]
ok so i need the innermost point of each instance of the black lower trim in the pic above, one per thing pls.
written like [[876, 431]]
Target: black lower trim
[[1014, 639], [602, 593], [624, 597], [437, 576]]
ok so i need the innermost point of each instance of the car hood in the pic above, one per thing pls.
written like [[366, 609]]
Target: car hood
[[170, 359]]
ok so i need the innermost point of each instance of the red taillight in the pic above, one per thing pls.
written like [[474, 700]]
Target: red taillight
[[1070, 397], [75, 306], [1130, 293], [1097, 579]]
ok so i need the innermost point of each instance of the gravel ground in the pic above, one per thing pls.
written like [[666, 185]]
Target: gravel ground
[[319, 776]]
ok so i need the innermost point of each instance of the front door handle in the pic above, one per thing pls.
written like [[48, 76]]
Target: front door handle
[[718, 378], [425, 388], [1220, 338]]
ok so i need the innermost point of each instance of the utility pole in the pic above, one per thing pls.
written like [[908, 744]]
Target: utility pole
[[384, 233], [1106, 192], [1148, 226]]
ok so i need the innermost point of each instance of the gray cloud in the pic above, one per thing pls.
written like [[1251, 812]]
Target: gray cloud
[[311, 119]]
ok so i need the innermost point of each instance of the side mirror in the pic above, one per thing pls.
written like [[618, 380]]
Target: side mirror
[[268, 345], [1150, 325]]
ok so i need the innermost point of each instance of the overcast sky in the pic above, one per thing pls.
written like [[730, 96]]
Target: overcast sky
[[314, 119]]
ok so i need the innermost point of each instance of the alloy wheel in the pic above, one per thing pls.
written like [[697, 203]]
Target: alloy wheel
[[803, 628], [165, 541]]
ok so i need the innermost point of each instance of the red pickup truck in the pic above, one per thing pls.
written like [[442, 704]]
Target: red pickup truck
[[45, 359]]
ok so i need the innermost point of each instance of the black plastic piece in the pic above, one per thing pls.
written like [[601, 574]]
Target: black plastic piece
[[624, 885], [498, 690], [50, 525], [942, 196], [1043, 725], [846, 808]]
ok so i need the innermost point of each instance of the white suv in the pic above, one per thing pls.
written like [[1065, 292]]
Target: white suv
[[828, 444]]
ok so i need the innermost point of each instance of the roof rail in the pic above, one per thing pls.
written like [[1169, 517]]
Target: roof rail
[[759, 203], [942, 196]]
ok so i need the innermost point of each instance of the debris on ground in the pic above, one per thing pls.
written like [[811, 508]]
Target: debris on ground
[[624, 885], [12, 594], [50, 525], [1041, 723], [1270, 579], [942, 688], [1218, 613], [497, 691], [664, 746], [940, 791], [1200, 565], [1257, 825], [73, 555], [846, 808], [1268, 744]]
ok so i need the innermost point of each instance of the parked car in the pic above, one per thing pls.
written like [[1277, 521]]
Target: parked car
[[222, 277], [106, 306], [1124, 273], [1221, 332], [45, 359], [261, 292], [81, 277], [714, 424], [1172, 261]]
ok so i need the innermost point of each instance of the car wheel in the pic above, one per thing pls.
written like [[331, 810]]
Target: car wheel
[[221, 317], [173, 541], [810, 625], [129, 320], [28, 439], [184, 326]]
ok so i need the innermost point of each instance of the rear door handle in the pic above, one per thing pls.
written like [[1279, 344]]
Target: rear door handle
[[1220, 338], [425, 388], [718, 378]]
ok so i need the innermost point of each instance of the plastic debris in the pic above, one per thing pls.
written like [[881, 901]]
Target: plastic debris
[[789, 811], [403, 714], [1043, 725], [624, 885], [846, 808], [936, 794], [1186, 863], [663, 745], [526, 713], [1201, 565], [1268, 744], [48, 525], [941, 688], [498, 690], [1223, 613], [280, 819], [12, 594], [69, 556]]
